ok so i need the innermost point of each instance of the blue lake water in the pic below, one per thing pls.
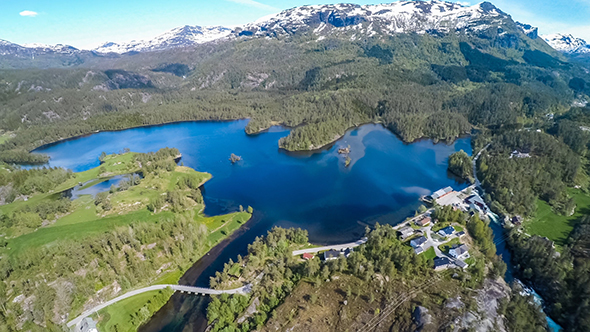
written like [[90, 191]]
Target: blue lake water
[[105, 185], [313, 191]]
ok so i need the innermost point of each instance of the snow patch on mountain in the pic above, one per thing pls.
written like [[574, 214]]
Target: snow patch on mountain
[[178, 37], [396, 17], [9, 48], [529, 30], [567, 43]]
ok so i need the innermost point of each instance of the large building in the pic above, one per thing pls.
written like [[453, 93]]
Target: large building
[[440, 193], [476, 203]]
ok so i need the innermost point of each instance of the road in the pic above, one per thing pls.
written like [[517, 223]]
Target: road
[[176, 288], [433, 243], [334, 247]]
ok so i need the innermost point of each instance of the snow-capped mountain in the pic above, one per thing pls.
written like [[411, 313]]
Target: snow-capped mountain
[[178, 37], [368, 20], [529, 30], [567, 43], [339, 20], [30, 50]]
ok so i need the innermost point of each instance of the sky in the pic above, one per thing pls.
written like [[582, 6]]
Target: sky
[[88, 24]]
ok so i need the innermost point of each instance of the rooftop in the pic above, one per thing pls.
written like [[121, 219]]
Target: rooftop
[[441, 261], [332, 254], [447, 230], [417, 242]]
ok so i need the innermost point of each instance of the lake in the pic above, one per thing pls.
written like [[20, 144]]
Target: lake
[[314, 191]]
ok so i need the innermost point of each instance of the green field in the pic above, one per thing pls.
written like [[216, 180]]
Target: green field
[[429, 254], [555, 227], [127, 314], [446, 246], [86, 219]]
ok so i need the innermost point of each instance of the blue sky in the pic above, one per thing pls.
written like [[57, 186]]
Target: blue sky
[[86, 24]]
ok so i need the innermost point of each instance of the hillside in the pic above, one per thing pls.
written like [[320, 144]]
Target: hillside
[[64, 250], [328, 67]]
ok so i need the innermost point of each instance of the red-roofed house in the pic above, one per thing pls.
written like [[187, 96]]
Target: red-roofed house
[[307, 256]]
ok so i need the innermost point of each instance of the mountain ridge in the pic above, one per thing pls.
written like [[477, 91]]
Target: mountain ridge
[[368, 20], [567, 43]]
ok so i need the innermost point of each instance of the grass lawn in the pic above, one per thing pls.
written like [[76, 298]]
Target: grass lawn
[[429, 254], [48, 235], [83, 210], [128, 206], [121, 313], [446, 246], [458, 228], [220, 229], [555, 227], [170, 278], [440, 225]]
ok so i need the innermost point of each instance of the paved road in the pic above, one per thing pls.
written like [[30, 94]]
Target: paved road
[[433, 243], [177, 288], [334, 247]]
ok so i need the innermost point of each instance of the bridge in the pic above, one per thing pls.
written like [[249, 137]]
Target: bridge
[[177, 288]]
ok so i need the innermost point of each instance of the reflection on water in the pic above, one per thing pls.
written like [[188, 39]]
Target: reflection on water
[[313, 191]]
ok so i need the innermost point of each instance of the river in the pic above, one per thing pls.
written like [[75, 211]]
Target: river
[[314, 191]]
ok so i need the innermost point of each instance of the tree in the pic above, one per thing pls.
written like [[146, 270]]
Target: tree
[[460, 165], [312, 267]]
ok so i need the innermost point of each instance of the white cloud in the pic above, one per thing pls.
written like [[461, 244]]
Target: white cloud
[[255, 4], [28, 13]]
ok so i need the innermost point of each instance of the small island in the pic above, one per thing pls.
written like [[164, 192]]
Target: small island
[[345, 151], [234, 158]]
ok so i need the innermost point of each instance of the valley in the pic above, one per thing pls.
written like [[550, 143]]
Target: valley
[[103, 191]]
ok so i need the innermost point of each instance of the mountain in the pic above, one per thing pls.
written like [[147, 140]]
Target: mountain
[[31, 50], [567, 43], [365, 21], [178, 37]]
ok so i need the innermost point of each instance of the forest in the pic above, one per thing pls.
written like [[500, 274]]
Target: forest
[[374, 274], [460, 164], [541, 167], [561, 278], [435, 86]]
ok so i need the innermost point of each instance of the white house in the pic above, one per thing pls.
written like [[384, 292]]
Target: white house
[[459, 251], [87, 325], [406, 232]]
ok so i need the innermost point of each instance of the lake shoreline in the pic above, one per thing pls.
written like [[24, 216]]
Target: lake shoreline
[[310, 191], [314, 149]]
